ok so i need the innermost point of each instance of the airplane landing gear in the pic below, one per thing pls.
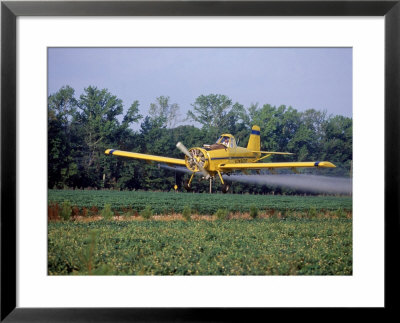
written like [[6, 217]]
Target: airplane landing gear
[[225, 187], [187, 183]]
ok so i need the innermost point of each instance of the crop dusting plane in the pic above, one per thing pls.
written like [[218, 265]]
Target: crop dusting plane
[[223, 157]]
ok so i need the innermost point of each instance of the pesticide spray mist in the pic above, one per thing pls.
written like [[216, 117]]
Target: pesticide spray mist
[[306, 183], [301, 182]]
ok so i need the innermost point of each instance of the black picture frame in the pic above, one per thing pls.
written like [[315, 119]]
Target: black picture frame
[[10, 10]]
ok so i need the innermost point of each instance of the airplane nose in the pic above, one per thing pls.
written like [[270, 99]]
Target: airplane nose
[[198, 159], [195, 159]]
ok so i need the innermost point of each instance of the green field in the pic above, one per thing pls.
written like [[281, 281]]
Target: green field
[[292, 235], [201, 203], [234, 247]]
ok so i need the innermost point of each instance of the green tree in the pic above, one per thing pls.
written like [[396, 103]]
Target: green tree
[[311, 133], [99, 128], [337, 144], [98, 112], [61, 111], [131, 116], [163, 112], [216, 113]]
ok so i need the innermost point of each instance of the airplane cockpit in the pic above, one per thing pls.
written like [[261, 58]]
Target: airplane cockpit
[[223, 142]]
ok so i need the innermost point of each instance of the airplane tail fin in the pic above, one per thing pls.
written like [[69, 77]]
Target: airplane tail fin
[[254, 140]]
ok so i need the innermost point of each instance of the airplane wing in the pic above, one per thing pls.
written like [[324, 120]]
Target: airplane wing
[[244, 166], [160, 159]]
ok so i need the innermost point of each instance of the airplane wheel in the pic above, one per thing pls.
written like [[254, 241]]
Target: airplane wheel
[[225, 188], [186, 185]]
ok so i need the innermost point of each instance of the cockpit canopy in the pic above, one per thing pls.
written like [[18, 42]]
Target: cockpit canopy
[[223, 142], [227, 141]]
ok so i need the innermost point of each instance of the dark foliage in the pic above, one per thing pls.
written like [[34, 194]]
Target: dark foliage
[[81, 129]]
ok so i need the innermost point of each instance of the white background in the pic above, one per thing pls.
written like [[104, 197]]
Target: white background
[[364, 288]]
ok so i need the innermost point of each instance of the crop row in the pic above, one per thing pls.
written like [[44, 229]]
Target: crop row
[[258, 247], [167, 202]]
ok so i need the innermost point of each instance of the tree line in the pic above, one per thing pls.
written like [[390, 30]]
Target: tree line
[[81, 128]]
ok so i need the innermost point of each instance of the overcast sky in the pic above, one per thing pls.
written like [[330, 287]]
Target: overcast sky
[[304, 78]]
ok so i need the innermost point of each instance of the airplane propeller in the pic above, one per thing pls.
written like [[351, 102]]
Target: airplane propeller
[[183, 149]]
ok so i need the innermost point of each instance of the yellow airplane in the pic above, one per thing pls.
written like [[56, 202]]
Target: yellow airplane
[[223, 157]]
